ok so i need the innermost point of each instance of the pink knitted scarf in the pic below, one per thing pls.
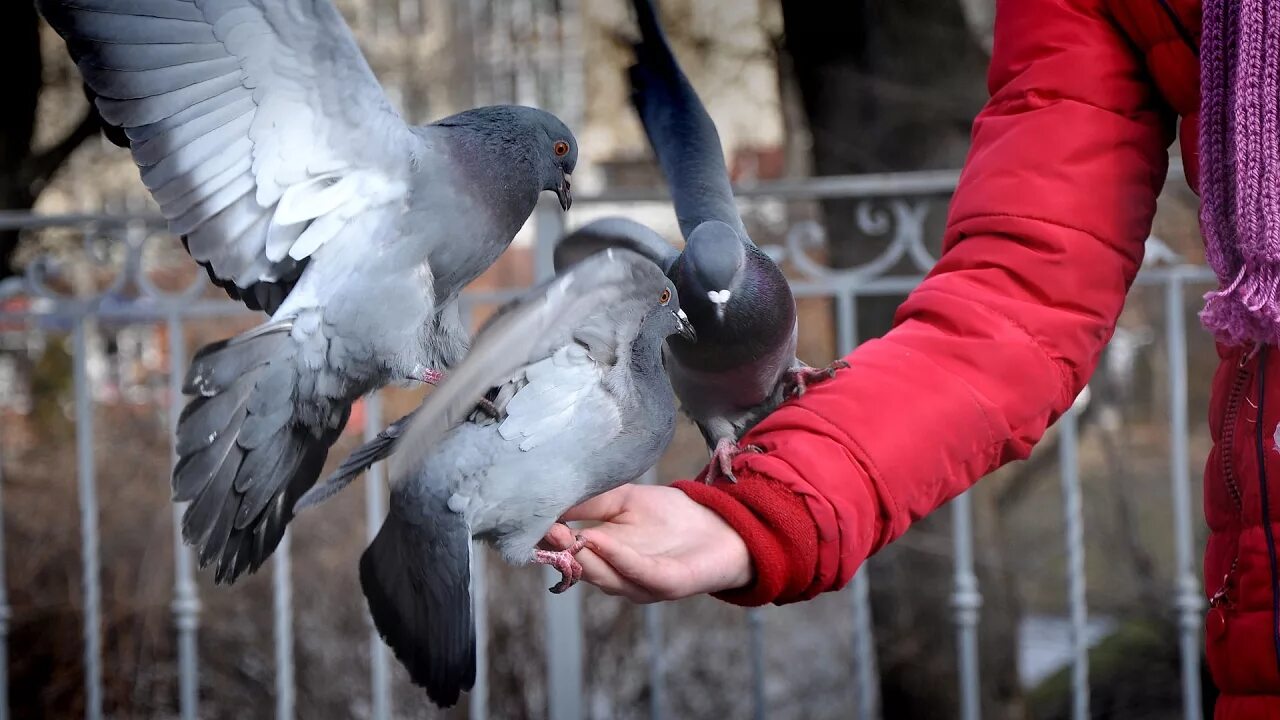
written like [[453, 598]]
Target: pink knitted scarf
[[1240, 167]]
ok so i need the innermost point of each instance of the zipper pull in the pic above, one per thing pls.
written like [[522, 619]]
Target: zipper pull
[[1222, 598]]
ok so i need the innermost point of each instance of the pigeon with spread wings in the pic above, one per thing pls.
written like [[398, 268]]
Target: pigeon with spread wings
[[273, 152]]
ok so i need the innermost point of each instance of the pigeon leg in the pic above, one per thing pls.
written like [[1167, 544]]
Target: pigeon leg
[[799, 379], [722, 461], [426, 375], [433, 377], [564, 561]]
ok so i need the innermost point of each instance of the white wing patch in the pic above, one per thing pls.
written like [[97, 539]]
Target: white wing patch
[[545, 407]]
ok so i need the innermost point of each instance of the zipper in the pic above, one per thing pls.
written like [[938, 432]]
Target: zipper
[[1234, 400]]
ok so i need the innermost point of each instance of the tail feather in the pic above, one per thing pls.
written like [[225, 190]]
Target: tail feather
[[244, 454], [416, 576], [214, 369], [363, 458]]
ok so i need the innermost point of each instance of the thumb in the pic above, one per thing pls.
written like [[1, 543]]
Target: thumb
[[605, 506]]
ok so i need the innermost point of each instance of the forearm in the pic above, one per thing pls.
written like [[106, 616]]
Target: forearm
[[1044, 237]]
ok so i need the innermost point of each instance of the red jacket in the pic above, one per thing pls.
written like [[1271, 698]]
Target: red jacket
[[1044, 237]]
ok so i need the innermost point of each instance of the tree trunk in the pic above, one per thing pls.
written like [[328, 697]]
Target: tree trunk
[[24, 172], [20, 53]]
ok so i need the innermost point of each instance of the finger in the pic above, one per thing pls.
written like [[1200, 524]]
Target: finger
[[600, 507], [622, 557], [559, 537], [598, 572]]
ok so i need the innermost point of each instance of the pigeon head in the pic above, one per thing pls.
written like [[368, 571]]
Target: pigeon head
[[559, 154], [713, 261], [664, 319], [536, 135]]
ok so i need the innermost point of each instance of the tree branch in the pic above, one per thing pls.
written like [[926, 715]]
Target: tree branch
[[38, 169]]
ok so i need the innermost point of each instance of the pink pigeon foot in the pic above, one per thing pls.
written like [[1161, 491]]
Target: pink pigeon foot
[[798, 380], [722, 460], [564, 561], [426, 375], [435, 377]]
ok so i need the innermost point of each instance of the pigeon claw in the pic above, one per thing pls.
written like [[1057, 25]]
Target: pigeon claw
[[564, 561], [799, 379], [721, 465]]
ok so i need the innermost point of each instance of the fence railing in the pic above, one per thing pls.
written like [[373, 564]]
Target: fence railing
[[888, 209]]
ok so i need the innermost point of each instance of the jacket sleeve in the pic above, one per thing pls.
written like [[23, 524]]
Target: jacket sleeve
[[1044, 237]]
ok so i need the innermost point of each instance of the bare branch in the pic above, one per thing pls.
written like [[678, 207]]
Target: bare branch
[[38, 169]]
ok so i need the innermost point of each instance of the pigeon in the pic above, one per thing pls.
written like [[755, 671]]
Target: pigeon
[[274, 154], [574, 369], [744, 363]]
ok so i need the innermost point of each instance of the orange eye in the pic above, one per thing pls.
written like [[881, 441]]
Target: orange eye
[[561, 148], [665, 297]]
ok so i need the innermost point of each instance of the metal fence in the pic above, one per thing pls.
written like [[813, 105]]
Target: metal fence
[[891, 208]]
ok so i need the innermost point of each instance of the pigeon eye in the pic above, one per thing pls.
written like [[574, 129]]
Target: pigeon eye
[[665, 297], [561, 148]]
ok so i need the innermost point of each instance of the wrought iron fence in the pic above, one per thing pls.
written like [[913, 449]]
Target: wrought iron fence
[[892, 208]]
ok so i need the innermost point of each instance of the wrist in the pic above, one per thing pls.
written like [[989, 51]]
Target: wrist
[[772, 528]]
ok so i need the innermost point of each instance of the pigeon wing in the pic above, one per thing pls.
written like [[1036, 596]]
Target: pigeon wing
[[257, 125]]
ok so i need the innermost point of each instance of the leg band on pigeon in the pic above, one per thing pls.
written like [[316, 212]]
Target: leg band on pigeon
[[799, 380], [564, 561]]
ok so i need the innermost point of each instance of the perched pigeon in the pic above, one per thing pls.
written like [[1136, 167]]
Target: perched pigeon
[[272, 150], [744, 363], [583, 406]]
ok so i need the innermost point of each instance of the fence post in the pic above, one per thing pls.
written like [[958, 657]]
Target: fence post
[[374, 512], [88, 495], [1073, 509], [186, 602], [966, 602], [282, 611], [1189, 599]]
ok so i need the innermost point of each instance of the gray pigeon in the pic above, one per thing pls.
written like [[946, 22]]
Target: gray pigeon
[[744, 363], [575, 371], [272, 150]]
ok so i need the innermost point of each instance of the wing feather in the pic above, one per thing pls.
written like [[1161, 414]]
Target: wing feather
[[258, 126]]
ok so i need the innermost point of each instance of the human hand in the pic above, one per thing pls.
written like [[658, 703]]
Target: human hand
[[653, 543]]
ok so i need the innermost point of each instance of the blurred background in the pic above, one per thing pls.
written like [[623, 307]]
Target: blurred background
[[1069, 578]]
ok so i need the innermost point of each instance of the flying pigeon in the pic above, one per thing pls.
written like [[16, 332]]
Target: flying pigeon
[[574, 370], [272, 151], [744, 363]]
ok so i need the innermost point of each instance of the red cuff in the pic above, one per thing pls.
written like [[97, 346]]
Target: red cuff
[[779, 531]]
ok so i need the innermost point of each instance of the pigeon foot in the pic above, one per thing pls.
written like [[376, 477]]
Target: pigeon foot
[[722, 460], [564, 561], [426, 375], [799, 380], [433, 377]]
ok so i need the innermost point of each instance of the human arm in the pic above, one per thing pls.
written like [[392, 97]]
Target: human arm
[[1044, 238]]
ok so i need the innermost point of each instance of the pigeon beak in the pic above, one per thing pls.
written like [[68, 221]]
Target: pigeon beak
[[563, 192], [686, 328]]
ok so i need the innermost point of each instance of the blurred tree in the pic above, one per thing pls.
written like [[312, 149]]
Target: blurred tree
[[24, 170]]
